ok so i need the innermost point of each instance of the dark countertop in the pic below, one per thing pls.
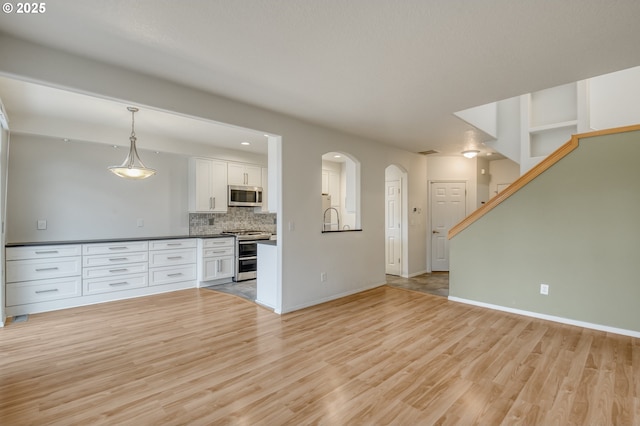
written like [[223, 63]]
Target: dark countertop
[[113, 240]]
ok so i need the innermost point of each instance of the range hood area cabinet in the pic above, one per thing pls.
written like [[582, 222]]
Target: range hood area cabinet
[[244, 174], [207, 185]]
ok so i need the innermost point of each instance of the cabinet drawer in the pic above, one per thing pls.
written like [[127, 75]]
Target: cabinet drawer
[[114, 270], [218, 242], [115, 259], [172, 244], [172, 274], [39, 269], [42, 252], [111, 248], [43, 291], [125, 282], [172, 257], [216, 252]]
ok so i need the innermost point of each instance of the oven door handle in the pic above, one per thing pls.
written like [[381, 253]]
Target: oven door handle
[[247, 242], [247, 258]]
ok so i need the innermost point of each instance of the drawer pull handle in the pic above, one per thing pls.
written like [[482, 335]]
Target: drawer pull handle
[[118, 259], [174, 244], [118, 248], [218, 251], [174, 257], [55, 268], [118, 270], [53, 290], [118, 283], [47, 252], [177, 274]]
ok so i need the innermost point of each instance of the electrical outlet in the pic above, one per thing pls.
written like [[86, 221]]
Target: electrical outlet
[[323, 276], [41, 225], [544, 289], [140, 223]]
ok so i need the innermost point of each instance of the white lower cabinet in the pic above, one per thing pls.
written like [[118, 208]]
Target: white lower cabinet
[[217, 259], [117, 283], [49, 277], [43, 273], [27, 292], [172, 261], [117, 266], [172, 274]]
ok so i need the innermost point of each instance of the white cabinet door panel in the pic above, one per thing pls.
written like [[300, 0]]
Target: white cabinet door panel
[[43, 291], [39, 269], [114, 248], [42, 252], [127, 282], [172, 274]]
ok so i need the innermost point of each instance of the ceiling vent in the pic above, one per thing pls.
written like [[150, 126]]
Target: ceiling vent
[[431, 151]]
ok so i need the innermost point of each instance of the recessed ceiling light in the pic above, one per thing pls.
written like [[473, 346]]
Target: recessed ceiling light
[[337, 156], [66, 140], [470, 153], [245, 143]]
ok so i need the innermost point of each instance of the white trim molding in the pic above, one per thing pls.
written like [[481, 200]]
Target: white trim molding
[[599, 327]]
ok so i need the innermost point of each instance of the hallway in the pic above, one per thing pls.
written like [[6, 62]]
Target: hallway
[[436, 283]]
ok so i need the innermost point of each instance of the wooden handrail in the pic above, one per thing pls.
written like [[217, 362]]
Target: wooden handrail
[[534, 172]]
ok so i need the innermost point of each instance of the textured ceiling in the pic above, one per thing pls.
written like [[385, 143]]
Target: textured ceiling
[[392, 71]]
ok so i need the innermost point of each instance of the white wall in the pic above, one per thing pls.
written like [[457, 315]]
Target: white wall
[[4, 156], [353, 261], [507, 142], [613, 99], [68, 185], [502, 172], [482, 181]]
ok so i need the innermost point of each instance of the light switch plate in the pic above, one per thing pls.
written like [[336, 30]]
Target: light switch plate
[[42, 225]]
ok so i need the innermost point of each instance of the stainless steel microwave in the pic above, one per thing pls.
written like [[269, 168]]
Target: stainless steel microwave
[[245, 196]]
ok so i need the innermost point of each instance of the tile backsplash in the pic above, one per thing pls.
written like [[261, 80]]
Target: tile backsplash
[[235, 218]]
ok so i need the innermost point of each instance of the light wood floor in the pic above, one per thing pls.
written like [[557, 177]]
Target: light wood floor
[[386, 356]]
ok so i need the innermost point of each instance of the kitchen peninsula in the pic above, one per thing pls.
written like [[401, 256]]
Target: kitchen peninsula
[[267, 288], [45, 276]]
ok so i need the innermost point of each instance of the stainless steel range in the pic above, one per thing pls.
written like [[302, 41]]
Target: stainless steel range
[[247, 252]]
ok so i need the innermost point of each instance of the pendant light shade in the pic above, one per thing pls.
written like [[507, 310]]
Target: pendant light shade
[[133, 167]]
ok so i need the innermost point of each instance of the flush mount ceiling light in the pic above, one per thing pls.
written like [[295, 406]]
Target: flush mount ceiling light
[[470, 153], [133, 167]]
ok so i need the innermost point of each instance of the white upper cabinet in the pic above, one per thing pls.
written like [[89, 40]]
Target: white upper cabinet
[[244, 174], [207, 185]]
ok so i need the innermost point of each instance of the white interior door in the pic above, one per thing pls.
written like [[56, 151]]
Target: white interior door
[[393, 228], [448, 207]]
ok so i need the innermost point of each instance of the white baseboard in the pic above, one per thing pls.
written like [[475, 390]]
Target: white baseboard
[[415, 274], [553, 318]]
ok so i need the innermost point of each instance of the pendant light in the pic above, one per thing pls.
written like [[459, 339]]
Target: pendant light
[[133, 167]]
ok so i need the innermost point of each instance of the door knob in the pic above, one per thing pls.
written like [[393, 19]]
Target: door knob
[[436, 232]]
